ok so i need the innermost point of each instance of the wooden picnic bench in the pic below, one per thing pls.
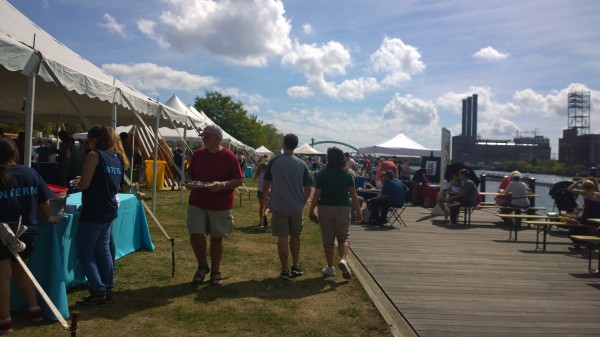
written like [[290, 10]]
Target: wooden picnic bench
[[516, 221], [544, 226], [593, 242]]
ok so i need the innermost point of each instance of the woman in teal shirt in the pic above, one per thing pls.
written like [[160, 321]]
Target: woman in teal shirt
[[334, 187]]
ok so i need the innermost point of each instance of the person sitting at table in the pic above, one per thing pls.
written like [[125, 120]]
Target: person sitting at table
[[449, 188], [500, 198], [419, 178], [15, 206], [591, 209], [101, 177], [392, 195], [516, 192], [466, 197]]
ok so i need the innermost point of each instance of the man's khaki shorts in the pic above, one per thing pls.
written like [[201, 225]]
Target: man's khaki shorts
[[286, 223], [218, 224]]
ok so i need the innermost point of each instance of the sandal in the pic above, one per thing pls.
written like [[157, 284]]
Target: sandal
[[215, 279], [200, 274]]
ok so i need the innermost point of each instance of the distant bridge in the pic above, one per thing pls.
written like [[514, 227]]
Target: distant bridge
[[332, 142]]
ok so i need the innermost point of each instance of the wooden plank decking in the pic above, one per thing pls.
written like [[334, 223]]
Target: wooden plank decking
[[471, 281]]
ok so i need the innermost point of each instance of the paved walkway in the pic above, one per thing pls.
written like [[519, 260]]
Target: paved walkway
[[471, 281]]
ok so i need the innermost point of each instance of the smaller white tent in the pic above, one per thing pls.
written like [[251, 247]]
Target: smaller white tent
[[167, 134], [306, 149], [262, 150], [399, 145]]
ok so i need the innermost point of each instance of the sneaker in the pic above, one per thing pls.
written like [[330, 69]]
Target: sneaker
[[90, 301], [328, 271], [6, 326], [284, 275], [296, 270], [35, 314], [346, 271], [454, 204]]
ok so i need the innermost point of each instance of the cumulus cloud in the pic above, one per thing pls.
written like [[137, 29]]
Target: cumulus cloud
[[553, 104], [307, 28], [147, 27], [111, 25], [316, 62], [240, 31], [411, 111], [490, 53], [300, 91], [397, 61], [151, 77]]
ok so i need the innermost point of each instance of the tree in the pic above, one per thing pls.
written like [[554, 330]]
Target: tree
[[232, 117]]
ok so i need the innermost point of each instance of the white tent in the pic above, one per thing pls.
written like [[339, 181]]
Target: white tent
[[166, 133], [399, 145], [262, 150], [306, 149]]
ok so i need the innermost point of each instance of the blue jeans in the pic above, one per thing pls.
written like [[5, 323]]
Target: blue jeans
[[93, 252]]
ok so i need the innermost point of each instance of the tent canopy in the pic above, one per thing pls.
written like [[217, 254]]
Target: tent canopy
[[399, 145], [306, 149], [91, 88], [262, 150]]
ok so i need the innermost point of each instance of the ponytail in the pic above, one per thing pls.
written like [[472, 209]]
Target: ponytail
[[9, 154]]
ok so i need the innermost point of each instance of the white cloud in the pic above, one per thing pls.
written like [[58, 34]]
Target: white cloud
[[396, 61], [111, 25], [251, 102], [147, 27], [307, 28], [489, 53], [554, 104], [149, 76], [45, 4], [300, 91], [411, 111], [330, 59], [240, 31]]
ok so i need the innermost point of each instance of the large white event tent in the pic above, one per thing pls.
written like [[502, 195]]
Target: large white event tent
[[262, 150], [400, 145], [72, 89], [306, 149]]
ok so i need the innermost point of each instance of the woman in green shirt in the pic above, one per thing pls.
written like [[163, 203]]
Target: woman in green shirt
[[334, 187]]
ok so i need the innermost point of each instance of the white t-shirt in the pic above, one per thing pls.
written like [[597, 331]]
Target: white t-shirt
[[518, 190]]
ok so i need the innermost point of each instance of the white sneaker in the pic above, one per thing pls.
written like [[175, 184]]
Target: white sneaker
[[346, 272], [328, 271]]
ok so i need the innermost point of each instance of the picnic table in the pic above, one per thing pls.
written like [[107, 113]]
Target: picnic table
[[593, 244], [517, 221], [544, 226]]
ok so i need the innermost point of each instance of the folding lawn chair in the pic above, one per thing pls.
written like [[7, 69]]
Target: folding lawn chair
[[395, 214]]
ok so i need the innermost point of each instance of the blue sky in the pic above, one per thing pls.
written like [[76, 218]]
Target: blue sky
[[351, 71]]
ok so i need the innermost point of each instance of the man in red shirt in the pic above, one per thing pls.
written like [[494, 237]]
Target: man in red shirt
[[210, 206]]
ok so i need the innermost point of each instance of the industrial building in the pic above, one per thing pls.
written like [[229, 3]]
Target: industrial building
[[577, 145], [468, 148]]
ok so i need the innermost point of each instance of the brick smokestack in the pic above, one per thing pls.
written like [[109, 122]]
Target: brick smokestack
[[464, 117], [474, 116]]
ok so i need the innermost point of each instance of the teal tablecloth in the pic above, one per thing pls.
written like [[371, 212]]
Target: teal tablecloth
[[54, 260]]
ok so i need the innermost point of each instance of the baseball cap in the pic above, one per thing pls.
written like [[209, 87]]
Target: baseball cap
[[210, 130]]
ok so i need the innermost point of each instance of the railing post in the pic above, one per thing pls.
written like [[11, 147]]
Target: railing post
[[482, 179], [531, 184]]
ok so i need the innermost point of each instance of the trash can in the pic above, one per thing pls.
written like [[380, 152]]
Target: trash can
[[160, 174], [249, 172]]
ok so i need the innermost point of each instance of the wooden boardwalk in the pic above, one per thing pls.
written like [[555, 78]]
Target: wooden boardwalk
[[471, 281]]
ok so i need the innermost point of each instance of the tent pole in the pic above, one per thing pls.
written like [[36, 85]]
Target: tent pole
[[132, 153], [30, 103], [113, 116], [183, 166], [155, 164]]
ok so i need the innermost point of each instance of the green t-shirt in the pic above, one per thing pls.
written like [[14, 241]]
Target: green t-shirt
[[334, 186]]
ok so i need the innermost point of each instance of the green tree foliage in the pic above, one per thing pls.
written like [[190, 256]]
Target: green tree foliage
[[232, 117]]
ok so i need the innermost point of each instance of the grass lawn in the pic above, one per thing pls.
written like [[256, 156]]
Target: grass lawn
[[252, 301]]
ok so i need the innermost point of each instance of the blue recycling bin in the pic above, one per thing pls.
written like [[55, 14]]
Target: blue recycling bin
[[249, 172]]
